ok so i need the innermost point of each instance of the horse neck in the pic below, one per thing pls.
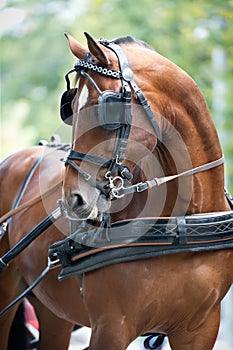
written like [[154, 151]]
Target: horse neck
[[189, 140]]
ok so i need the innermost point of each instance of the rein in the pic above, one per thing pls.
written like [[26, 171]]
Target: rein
[[16, 208], [147, 185], [29, 203]]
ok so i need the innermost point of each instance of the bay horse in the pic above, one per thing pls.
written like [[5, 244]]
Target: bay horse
[[135, 116], [178, 295]]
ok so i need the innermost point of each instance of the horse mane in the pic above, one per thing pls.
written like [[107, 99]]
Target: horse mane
[[195, 104], [126, 40]]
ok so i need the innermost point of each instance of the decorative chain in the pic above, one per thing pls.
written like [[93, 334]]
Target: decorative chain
[[104, 71]]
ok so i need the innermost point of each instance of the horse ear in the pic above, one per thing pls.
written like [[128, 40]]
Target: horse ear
[[96, 50], [76, 48]]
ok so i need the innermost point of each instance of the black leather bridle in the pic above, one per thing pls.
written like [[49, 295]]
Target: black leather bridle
[[114, 113]]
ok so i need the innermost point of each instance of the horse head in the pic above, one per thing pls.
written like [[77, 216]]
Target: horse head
[[134, 113], [108, 138]]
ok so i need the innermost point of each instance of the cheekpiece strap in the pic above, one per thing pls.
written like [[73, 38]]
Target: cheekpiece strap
[[128, 78]]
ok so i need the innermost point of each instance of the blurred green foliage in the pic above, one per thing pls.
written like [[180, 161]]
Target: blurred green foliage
[[196, 35]]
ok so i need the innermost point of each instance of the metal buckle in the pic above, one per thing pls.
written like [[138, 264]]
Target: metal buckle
[[141, 186], [118, 162], [115, 193]]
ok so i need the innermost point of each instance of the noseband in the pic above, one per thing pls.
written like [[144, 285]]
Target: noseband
[[114, 113]]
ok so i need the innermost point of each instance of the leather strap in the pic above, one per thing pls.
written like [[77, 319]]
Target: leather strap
[[30, 203], [181, 229], [87, 177], [90, 158], [157, 181]]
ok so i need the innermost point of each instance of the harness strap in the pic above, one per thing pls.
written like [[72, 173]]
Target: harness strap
[[90, 158], [142, 186], [87, 177], [19, 197], [26, 181], [126, 72], [29, 203], [146, 106], [123, 141]]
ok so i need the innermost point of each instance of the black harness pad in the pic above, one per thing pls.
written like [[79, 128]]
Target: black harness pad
[[140, 239], [131, 253]]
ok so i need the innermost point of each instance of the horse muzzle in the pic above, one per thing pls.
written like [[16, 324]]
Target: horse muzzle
[[75, 207]]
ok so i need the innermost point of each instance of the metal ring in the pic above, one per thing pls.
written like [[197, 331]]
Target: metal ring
[[121, 184], [107, 174]]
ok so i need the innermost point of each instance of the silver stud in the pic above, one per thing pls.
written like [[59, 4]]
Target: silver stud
[[127, 74]]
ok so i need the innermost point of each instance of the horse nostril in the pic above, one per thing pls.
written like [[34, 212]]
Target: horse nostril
[[78, 200]]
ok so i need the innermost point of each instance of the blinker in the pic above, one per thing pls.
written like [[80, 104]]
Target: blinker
[[66, 112], [112, 110]]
